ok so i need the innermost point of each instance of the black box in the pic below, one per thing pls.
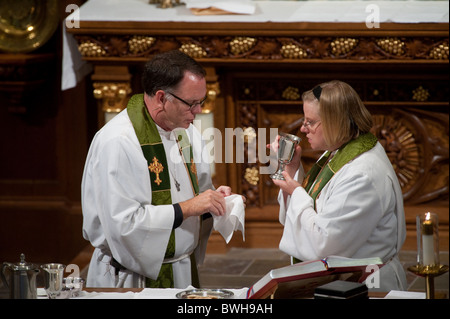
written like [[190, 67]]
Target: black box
[[341, 290]]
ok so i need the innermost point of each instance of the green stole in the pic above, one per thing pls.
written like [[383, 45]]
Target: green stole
[[323, 170], [153, 150]]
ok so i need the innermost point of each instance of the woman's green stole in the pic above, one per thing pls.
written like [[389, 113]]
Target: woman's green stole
[[153, 150], [323, 170]]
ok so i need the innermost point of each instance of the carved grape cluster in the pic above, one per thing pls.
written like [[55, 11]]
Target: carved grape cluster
[[420, 94], [290, 93], [292, 51], [139, 44], [341, 46], [193, 50], [240, 45], [392, 46], [252, 175], [440, 52], [91, 49]]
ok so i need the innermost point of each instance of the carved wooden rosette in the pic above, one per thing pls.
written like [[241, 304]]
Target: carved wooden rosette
[[416, 143]]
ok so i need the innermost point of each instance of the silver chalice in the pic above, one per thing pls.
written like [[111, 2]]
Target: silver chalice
[[286, 149], [53, 279]]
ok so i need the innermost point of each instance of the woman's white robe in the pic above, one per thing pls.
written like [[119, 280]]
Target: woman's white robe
[[359, 214], [119, 219]]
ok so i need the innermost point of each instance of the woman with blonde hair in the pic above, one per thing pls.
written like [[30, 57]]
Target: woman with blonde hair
[[350, 203]]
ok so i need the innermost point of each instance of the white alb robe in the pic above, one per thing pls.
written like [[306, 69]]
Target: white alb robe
[[359, 214], [119, 219]]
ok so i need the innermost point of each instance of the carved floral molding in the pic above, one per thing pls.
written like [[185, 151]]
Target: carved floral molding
[[267, 48]]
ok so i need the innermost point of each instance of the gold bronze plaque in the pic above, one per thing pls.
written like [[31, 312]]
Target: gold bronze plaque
[[26, 25]]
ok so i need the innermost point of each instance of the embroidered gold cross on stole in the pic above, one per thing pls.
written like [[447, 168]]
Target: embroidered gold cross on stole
[[193, 167], [194, 170], [156, 167]]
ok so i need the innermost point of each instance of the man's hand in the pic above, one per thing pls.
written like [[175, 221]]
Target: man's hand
[[224, 190], [209, 201]]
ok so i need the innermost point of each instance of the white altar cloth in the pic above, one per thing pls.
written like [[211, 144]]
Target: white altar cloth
[[146, 293], [271, 11], [151, 293], [74, 69], [168, 293]]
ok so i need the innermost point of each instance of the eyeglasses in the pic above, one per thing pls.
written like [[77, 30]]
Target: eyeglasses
[[309, 124], [191, 105]]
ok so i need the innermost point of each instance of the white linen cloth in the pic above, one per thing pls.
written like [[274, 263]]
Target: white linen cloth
[[74, 68], [359, 214], [233, 220]]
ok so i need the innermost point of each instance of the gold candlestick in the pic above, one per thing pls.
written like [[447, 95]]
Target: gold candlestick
[[428, 264], [429, 273]]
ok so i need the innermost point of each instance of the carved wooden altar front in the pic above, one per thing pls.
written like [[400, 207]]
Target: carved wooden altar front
[[257, 73]]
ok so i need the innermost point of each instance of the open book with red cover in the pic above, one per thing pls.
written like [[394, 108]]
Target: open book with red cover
[[300, 280]]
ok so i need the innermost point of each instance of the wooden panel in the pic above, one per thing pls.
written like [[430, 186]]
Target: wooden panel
[[44, 140]]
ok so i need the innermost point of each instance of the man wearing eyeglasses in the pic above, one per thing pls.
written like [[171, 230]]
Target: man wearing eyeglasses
[[146, 193]]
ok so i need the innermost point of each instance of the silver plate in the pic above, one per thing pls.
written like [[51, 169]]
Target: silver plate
[[205, 294]]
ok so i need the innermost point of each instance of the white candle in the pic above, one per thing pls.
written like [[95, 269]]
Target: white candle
[[428, 241]]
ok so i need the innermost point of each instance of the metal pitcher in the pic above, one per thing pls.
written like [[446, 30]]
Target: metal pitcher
[[22, 280]]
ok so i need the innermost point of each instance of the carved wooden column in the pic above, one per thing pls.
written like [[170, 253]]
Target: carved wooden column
[[112, 89], [213, 90]]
